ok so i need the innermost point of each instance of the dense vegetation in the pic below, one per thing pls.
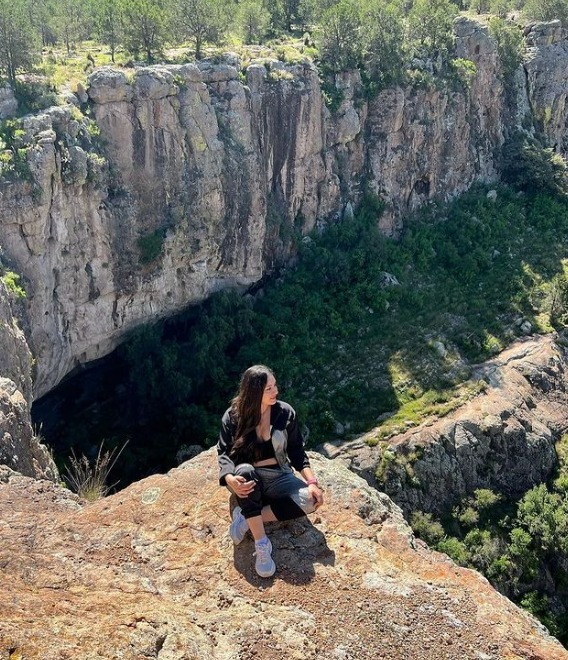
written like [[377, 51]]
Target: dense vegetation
[[390, 41]]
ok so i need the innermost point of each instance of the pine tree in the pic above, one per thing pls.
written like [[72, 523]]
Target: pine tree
[[18, 41]]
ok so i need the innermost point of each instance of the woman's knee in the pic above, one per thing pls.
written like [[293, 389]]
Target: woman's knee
[[247, 471]]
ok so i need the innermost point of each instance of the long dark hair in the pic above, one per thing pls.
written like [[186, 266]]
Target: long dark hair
[[245, 407]]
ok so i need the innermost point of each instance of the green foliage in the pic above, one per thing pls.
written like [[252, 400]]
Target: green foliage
[[108, 19], [341, 36], [19, 46], [34, 96], [530, 167], [11, 281], [145, 26], [202, 21], [254, 21], [547, 10], [150, 246], [13, 154], [510, 46], [544, 515], [464, 70], [429, 530], [454, 549], [430, 28], [384, 49], [538, 605]]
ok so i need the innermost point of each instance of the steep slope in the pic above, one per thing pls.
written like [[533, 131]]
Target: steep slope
[[503, 439]]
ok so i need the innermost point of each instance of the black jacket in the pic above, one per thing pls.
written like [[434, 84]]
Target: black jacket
[[286, 438]]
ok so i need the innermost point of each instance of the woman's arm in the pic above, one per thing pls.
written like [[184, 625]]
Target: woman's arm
[[226, 464], [316, 493]]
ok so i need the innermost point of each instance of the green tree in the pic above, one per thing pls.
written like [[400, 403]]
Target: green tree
[[254, 20], [341, 44], [108, 18], [19, 44], [285, 14], [144, 24], [547, 10], [510, 45], [72, 22], [42, 17], [479, 6], [202, 21], [500, 8], [383, 35], [430, 27], [544, 516]]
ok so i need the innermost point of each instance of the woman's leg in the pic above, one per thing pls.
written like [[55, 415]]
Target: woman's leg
[[253, 509], [288, 495]]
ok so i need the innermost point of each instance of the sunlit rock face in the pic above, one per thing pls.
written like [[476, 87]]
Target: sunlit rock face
[[20, 449], [190, 178], [503, 439]]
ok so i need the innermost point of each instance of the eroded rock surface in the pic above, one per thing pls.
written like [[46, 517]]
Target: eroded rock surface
[[204, 177], [503, 439], [152, 573], [20, 449]]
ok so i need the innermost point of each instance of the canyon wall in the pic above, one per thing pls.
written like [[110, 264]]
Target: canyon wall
[[186, 179], [206, 175], [503, 439]]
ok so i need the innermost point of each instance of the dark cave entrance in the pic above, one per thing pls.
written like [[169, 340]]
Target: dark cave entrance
[[123, 399]]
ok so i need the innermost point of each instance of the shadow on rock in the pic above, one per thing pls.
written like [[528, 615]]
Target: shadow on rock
[[296, 547]]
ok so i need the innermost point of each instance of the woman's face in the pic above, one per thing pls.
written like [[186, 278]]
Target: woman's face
[[270, 392]]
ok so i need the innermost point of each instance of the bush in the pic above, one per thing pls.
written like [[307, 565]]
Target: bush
[[150, 246], [427, 529], [530, 167]]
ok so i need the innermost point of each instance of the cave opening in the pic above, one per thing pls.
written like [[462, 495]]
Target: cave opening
[[126, 400]]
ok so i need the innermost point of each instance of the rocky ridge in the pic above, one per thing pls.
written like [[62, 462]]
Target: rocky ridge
[[151, 573], [503, 439]]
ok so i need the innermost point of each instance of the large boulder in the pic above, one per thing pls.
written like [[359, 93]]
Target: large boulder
[[152, 573]]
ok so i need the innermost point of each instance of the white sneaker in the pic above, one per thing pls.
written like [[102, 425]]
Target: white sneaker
[[264, 564], [238, 527]]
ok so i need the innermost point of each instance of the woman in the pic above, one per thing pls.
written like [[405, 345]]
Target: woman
[[259, 442]]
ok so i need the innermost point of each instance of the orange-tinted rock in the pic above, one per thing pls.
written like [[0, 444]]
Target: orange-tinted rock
[[152, 573]]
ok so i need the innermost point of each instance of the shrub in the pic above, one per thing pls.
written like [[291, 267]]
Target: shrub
[[150, 246], [530, 167], [11, 282], [426, 528], [89, 480]]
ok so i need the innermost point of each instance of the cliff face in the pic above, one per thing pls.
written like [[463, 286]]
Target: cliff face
[[152, 573], [20, 449], [503, 439], [208, 176]]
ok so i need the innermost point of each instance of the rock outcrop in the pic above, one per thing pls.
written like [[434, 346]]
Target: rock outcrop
[[206, 176], [503, 439], [20, 448], [152, 573], [547, 81]]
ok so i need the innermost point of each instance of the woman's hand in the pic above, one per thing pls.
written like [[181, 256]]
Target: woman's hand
[[239, 485], [316, 494]]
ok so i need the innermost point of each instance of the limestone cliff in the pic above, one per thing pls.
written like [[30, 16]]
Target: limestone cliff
[[20, 449], [152, 573], [503, 439], [206, 176]]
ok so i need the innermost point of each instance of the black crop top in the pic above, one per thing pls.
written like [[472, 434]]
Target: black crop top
[[263, 450]]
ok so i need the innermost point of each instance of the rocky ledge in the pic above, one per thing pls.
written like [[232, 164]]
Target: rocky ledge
[[503, 439], [152, 573]]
